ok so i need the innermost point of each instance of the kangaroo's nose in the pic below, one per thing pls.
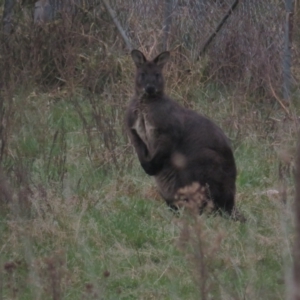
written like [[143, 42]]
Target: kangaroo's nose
[[150, 90]]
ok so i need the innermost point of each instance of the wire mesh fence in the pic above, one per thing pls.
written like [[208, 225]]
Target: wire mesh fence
[[247, 48]]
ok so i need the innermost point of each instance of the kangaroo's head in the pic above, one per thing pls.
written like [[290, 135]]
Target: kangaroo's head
[[149, 81]]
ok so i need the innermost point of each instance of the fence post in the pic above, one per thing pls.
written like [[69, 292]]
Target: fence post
[[287, 55], [167, 22], [7, 15], [296, 270]]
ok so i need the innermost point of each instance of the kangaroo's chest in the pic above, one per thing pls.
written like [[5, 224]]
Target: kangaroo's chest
[[144, 126]]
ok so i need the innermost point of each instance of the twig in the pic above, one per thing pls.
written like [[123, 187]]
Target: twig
[[162, 274], [278, 99]]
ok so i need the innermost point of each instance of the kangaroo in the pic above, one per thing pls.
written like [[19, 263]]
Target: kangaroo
[[178, 146]]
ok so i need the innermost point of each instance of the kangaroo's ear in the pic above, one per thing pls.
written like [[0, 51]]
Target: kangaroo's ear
[[138, 57], [162, 58]]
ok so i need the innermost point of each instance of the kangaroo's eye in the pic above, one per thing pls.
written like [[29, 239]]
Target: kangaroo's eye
[[157, 75], [142, 76]]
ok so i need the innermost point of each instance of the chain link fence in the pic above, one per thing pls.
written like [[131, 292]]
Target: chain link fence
[[247, 49]]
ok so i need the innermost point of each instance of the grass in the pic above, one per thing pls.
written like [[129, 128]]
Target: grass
[[83, 227]]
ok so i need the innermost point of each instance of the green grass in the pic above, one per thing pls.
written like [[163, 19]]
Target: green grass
[[92, 229]]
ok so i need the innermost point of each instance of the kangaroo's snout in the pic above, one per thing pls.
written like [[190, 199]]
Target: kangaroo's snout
[[150, 90]]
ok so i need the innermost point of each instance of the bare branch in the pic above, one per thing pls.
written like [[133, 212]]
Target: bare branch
[[222, 22], [118, 24]]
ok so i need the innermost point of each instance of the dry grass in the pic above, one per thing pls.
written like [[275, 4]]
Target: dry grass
[[63, 235]]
